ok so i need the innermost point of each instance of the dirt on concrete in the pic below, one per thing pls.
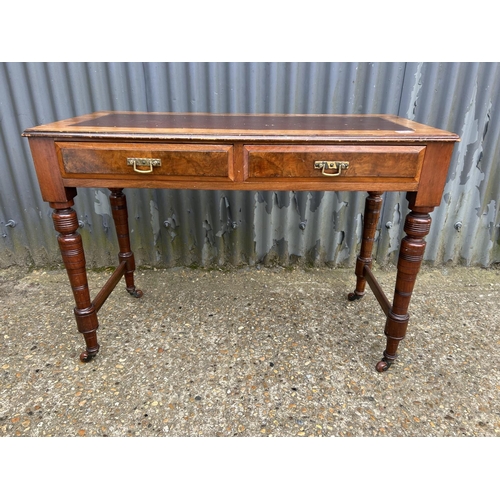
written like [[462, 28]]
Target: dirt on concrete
[[250, 352]]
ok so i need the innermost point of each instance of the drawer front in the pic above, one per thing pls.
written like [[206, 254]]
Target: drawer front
[[82, 159], [338, 164]]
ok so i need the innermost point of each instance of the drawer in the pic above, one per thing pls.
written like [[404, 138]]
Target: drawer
[[129, 160], [347, 163]]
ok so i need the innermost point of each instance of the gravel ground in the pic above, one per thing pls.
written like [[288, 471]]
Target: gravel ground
[[250, 352]]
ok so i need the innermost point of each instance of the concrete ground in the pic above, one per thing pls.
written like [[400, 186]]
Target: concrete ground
[[250, 352]]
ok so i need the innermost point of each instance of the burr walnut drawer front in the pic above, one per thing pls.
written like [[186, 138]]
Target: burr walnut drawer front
[[85, 159], [334, 163]]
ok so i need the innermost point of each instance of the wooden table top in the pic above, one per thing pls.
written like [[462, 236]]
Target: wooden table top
[[209, 126]]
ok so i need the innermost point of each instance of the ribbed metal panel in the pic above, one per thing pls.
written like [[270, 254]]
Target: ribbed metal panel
[[219, 228]]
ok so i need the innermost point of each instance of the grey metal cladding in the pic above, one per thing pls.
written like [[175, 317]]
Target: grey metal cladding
[[171, 228]]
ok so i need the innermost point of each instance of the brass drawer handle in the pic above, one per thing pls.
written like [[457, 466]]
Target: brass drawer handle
[[149, 163], [331, 165]]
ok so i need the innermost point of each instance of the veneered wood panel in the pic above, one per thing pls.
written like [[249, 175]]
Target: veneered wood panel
[[49, 179], [391, 162], [264, 184], [181, 160], [247, 152], [434, 174]]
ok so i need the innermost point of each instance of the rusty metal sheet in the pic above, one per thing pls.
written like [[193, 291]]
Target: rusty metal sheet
[[172, 228]]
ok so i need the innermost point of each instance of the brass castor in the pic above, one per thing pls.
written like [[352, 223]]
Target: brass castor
[[354, 296], [383, 365], [135, 293], [86, 356]]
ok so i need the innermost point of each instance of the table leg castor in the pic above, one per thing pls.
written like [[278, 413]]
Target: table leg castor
[[383, 365], [351, 297], [135, 292], [86, 356]]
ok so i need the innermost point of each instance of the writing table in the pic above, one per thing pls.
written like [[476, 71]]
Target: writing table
[[117, 150]]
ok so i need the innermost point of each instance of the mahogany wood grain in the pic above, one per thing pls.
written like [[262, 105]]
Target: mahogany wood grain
[[434, 174], [364, 161], [108, 125], [265, 184], [183, 160], [73, 256], [109, 286], [242, 152], [373, 206], [417, 227], [50, 181], [118, 203], [377, 289]]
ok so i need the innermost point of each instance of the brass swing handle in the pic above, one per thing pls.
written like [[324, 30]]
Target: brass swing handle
[[337, 166], [147, 163]]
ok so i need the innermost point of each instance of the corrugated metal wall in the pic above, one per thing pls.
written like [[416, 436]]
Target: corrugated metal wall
[[220, 228]]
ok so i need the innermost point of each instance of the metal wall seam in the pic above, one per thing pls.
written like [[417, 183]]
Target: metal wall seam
[[225, 228]]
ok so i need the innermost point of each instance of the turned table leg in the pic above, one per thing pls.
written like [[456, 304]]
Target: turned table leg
[[373, 205], [70, 243], [120, 216], [417, 226]]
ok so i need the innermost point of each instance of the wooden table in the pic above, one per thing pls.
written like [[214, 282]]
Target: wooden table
[[117, 150]]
